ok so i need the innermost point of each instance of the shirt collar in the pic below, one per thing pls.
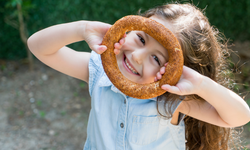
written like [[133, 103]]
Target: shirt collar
[[105, 82]]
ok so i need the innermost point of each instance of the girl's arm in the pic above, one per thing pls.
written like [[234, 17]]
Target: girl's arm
[[222, 106], [48, 45]]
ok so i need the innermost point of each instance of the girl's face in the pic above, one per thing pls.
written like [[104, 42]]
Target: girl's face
[[141, 56]]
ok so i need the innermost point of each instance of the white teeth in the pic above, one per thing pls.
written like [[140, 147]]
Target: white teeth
[[130, 67]]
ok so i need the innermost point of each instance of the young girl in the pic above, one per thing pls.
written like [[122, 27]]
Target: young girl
[[197, 113]]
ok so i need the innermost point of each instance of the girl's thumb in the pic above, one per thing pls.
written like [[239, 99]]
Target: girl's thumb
[[171, 89], [99, 48]]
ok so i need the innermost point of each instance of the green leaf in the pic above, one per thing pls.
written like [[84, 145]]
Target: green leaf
[[42, 114]]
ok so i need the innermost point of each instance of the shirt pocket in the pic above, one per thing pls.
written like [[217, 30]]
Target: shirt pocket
[[144, 129]]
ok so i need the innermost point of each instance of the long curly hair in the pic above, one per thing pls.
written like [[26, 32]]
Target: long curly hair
[[205, 50]]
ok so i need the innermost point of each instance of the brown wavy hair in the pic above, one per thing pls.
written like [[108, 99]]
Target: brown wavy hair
[[205, 50]]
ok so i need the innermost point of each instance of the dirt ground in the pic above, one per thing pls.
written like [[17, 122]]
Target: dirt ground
[[47, 110], [41, 110]]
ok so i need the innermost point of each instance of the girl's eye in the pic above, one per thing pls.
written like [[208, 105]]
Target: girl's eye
[[141, 39], [157, 59]]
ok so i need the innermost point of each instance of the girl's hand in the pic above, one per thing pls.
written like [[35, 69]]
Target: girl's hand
[[118, 46], [93, 34], [189, 82]]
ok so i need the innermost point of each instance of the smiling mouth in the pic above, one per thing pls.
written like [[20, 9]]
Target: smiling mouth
[[129, 67]]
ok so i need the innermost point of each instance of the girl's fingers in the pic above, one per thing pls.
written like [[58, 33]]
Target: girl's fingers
[[162, 70], [117, 45], [117, 48], [158, 75], [122, 41], [116, 51]]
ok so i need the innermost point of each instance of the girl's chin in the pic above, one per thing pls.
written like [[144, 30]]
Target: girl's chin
[[136, 80]]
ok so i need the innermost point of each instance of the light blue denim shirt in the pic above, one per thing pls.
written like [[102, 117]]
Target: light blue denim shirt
[[119, 122]]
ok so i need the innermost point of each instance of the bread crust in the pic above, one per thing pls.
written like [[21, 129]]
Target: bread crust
[[159, 32]]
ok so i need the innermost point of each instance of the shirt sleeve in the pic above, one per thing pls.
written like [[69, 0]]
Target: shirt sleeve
[[174, 106], [181, 115], [95, 67]]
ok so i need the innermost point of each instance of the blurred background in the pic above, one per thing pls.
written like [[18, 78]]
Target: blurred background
[[42, 109]]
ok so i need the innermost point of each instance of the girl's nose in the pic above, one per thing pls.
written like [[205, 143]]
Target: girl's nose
[[138, 55]]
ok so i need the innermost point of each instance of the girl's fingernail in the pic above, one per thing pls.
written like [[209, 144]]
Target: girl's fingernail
[[117, 45], [122, 41], [163, 87], [103, 48]]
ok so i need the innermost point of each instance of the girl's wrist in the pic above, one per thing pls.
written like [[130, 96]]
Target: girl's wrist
[[81, 29], [204, 87]]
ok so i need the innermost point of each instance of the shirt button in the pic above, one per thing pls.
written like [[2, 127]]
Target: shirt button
[[124, 101], [121, 125]]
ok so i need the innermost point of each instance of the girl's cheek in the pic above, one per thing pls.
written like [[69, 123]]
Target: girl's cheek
[[153, 72]]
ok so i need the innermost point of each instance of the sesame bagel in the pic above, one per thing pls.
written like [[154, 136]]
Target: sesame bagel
[[159, 32]]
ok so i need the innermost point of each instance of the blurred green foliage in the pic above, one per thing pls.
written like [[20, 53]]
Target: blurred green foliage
[[230, 16]]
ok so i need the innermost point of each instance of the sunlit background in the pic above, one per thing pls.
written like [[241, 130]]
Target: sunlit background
[[43, 109]]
